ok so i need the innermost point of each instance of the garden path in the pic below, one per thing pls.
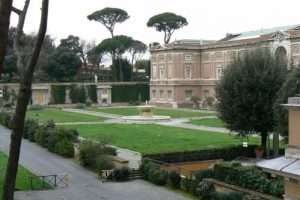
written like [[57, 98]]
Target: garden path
[[83, 184]]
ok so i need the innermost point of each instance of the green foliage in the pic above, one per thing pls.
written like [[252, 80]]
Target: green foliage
[[226, 153], [90, 150], [252, 178], [103, 162], [196, 100], [109, 17], [80, 106], [62, 63], [58, 93], [124, 65], [7, 118], [133, 92], [77, 94], [121, 174], [61, 140], [92, 93], [6, 93], [43, 133], [30, 127], [71, 42], [290, 88], [206, 190], [167, 23], [174, 179], [247, 93], [82, 95]]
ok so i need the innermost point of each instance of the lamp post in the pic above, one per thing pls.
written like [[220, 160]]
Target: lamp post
[[37, 118]]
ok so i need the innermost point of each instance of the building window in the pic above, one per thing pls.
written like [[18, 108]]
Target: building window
[[188, 94], [188, 72], [154, 71], [218, 73], [161, 58], [205, 94], [161, 94], [187, 57], [169, 94], [161, 72], [170, 71], [169, 57], [153, 94]]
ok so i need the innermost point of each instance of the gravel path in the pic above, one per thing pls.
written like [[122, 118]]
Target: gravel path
[[83, 184]]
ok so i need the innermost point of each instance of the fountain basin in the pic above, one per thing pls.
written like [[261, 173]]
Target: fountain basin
[[153, 118]]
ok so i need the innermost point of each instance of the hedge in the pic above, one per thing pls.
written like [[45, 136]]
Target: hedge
[[226, 153], [58, 93], [126, 93], [77, 94], [251, 177], [92, 92]]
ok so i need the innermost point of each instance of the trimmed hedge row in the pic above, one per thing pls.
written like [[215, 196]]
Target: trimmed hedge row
[[252, 178], [126, 93], [226, 153], [58, 93]]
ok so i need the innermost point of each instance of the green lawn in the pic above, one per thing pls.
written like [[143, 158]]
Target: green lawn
[[150, 138], [22, 177], [61, 116], [213, 122], [173, 113]]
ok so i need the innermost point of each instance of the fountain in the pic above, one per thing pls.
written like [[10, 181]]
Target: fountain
[[146, 115]]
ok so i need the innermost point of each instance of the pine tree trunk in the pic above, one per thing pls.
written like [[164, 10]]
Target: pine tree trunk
[[5, 11], [264, 137], [22, 102]]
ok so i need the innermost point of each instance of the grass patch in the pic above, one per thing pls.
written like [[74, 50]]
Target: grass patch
[[151, 138], [173, 113], [62, 116], [22, 182], [212, 122]]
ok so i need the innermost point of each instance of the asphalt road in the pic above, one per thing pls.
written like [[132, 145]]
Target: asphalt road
[[83, 184]]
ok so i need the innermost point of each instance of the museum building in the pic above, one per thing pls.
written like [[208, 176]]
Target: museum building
[[186, 68]]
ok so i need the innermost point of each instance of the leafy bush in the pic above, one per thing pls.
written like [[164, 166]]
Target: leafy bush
[[80, 106], [90, 150], [229, 196], [151, 171], [81, 94], [73, 94], [137, 92], [6, 118], [58, 93], [92, 92], [103, 162], [35, 107], [174, 179], [43, 133], [61, 141], [30, 127], [121, 174], [252, 178], [206, 190]]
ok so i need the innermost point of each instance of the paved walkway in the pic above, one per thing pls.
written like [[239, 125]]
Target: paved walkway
[[83, 184]]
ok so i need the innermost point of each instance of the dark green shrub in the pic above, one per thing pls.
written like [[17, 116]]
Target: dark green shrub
[[174, 179], [7, 118], [30, 127], [73, 94], [103, 162], [92, 92], [61, 141], [90, 150], [206, 190], [43, 133], [121, 174], [252, 178], [158, 176], [188, 184], [58, 93], [137, 92], [88, 104], [64, 147], [229, 196], [80, 106], [81, 95], [35, 107]]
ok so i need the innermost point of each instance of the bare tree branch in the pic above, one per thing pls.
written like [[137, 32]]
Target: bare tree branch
[[16, 10]]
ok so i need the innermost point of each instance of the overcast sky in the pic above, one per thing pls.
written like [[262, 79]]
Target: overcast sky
[[210, 19]]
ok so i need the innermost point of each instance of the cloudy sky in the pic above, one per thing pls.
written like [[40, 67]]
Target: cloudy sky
[[210, 19]]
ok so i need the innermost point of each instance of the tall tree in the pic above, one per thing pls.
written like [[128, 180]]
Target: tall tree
[[290, 88], [167, 23], [62, 63], [5, 10], [247, 93], [137, 50], [94, 58], [26, 74], [109, 17]]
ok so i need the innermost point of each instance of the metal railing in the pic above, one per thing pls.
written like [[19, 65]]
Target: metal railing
[[49, 181]]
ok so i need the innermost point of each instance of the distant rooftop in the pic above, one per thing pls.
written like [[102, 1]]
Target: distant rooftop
[[258, 33], [193, 42]]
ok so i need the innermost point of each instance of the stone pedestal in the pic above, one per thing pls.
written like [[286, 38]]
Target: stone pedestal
[[104, 95]]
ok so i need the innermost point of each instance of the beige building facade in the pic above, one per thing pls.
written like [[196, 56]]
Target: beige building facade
[[187, 68]]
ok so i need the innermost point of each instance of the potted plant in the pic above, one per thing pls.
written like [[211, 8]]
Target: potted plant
[[259, 151]]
